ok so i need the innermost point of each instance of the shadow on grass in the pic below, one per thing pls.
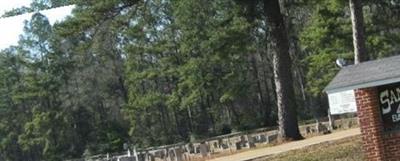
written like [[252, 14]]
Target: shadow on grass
[[348, 149]]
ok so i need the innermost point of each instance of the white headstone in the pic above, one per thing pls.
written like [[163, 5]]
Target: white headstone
[[135, 154]]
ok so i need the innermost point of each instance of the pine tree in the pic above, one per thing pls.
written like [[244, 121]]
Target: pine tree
[[287, 115], [357, 20]]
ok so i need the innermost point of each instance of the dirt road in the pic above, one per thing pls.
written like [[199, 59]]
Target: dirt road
[[257, 153]]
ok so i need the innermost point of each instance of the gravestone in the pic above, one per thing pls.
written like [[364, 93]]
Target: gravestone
[[272, 137], [204, 149], [244, 140], [238, 145], [127, 159], [179, 154], [263, 138], [252, 142]]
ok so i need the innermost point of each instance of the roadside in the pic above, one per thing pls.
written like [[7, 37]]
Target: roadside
[[347, 149], [268, 151]]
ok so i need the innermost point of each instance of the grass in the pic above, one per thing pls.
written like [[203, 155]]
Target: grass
[[348, 149]]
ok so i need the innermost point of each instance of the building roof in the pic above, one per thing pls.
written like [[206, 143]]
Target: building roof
[[366, 74]]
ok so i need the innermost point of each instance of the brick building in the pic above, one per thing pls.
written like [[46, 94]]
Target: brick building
[[376, 85]]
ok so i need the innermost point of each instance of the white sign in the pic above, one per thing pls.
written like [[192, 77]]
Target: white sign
[[342, 102]]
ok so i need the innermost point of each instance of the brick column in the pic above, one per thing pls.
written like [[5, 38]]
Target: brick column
[[370, 123], [392, 146]]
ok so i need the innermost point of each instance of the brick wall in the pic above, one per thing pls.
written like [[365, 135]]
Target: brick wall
[[377, 144], [370, 124], [392, 146]]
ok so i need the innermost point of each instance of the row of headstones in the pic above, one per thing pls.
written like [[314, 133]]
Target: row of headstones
[[196, 151], [201, 150], [242, 141]]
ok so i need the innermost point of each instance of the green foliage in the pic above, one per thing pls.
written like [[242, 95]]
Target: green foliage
[[328, 36], [35, 6], [165, 71], [322, 69]]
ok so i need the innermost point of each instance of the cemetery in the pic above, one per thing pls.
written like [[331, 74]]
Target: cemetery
[[199, 80], [212, 147]]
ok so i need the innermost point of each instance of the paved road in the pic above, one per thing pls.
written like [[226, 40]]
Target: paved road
[[257, 153]]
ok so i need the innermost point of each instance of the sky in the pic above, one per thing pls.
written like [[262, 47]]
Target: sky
[[12, 27]]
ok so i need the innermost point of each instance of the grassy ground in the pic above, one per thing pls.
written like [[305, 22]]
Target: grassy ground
[[348, 149]]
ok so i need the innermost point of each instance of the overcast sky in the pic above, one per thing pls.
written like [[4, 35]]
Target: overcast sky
[[12, 27]]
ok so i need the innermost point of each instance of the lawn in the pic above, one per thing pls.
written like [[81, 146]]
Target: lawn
[[348, 149]]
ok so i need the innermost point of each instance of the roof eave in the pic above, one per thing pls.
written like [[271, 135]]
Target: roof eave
[[363, 85]]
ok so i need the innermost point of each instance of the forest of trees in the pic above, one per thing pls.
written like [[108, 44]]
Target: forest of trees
[[155, 72]]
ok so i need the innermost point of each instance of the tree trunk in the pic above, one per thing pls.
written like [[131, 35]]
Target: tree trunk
[[260, 95], [287, 115], [357, 20]]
